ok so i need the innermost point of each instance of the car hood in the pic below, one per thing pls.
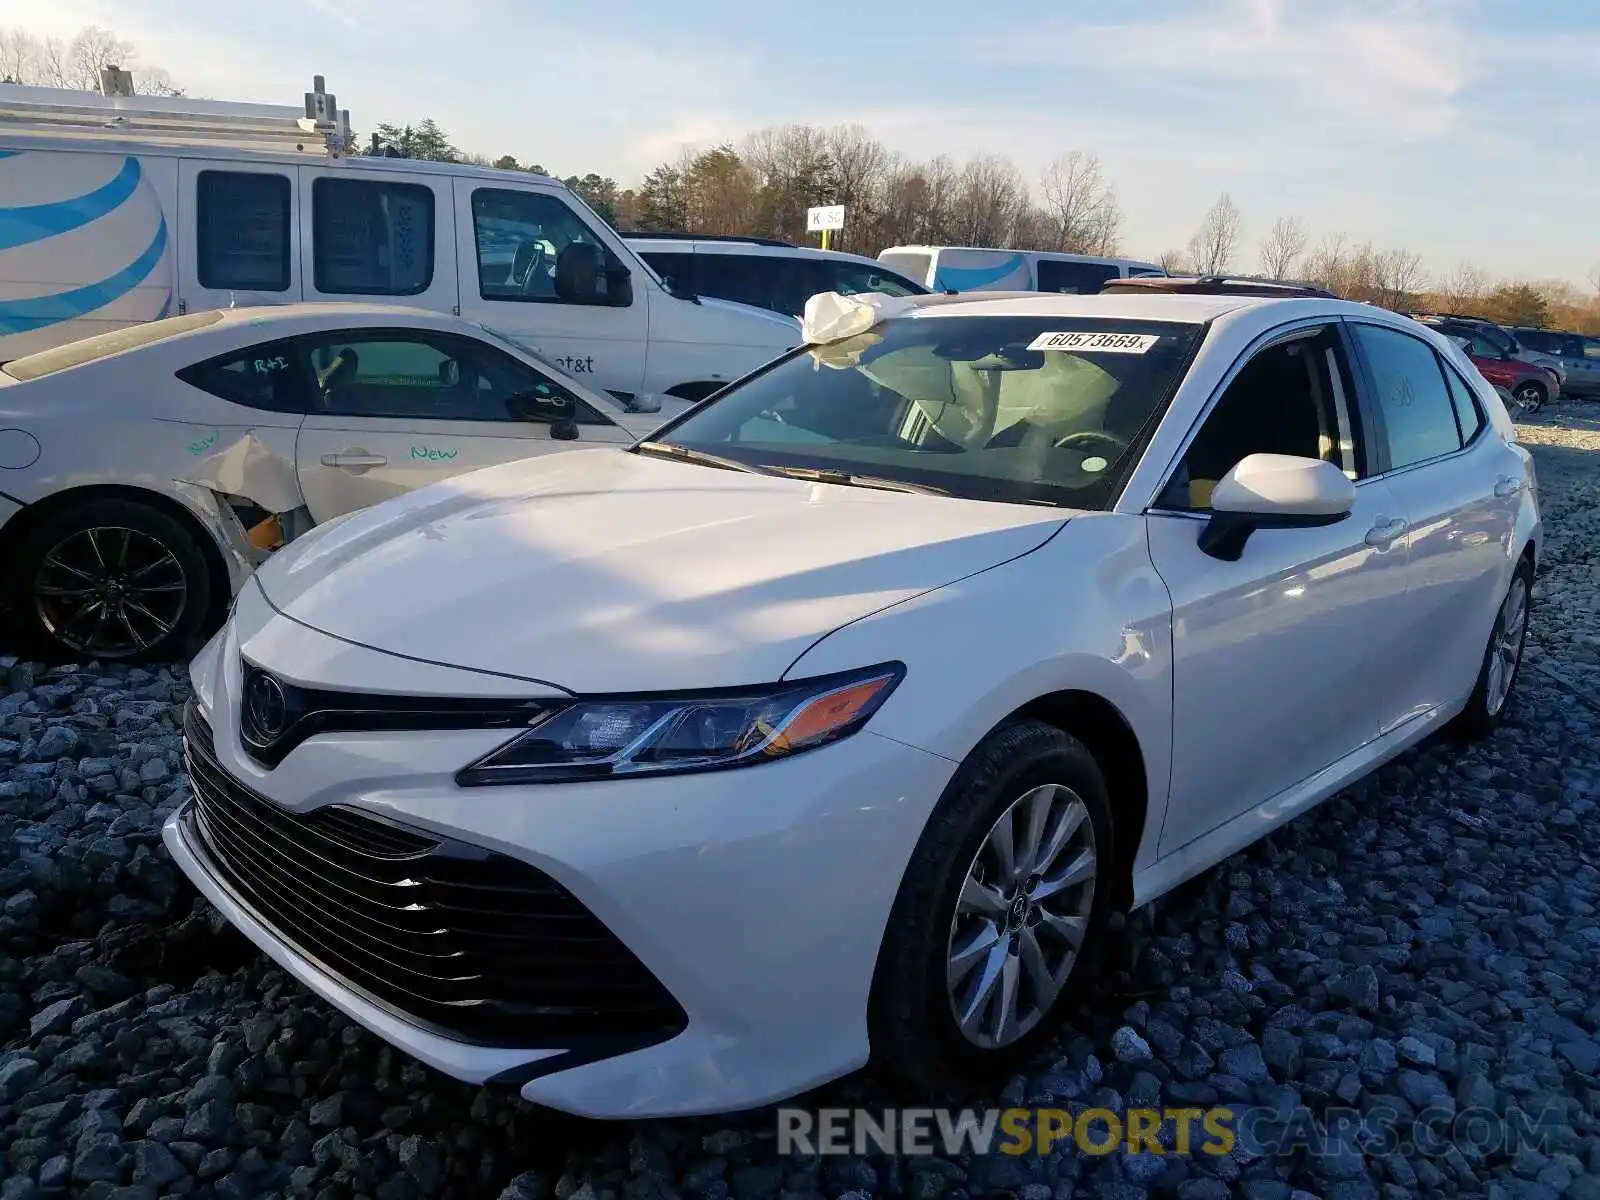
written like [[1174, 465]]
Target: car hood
[[601, 570], [767, 327]]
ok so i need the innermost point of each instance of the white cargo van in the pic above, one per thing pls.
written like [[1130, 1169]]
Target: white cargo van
[[117, 209], [987, 269]]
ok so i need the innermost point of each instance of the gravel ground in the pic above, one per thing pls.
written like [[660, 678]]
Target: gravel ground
[[1426, 941]]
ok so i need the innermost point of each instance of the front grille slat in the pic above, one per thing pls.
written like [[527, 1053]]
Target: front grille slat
[[460, 940]]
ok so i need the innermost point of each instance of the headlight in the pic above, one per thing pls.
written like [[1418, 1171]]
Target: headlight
[[663, 735]]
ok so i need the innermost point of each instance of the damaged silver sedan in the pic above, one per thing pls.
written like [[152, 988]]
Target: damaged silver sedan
[[144, 473]]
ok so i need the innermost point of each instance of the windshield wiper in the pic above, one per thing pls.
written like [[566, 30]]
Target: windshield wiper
[[850, 479], [686, 454]]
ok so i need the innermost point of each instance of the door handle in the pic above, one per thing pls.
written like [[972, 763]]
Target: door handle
[[1506, 487], [1384, 532], [354, 460]]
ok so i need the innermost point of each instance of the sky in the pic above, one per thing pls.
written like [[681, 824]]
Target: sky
[[1463, 130]]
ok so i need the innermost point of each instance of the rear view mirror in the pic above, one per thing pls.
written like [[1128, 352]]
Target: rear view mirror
[[1273, 491]]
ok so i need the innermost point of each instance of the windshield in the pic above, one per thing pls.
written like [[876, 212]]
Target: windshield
[[1019, 409]]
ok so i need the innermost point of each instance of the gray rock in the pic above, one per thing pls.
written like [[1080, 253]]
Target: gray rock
[[1129, 1047], [155, 1165]]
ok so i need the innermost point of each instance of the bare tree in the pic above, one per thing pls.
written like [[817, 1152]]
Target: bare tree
[[1397, 278], [49, 62], [1214, 243], [53, 60], [1594, 277], [1282, 248], [1082, 204], [90, 52], [1174, 262], [1467, 283], [990, 195], [860, 162], [20, 53]]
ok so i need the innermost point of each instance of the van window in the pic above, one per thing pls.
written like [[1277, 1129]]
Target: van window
[[1076, 278], [242, 231], [851, 278], [520, 237], [371, 238], [915, 266]]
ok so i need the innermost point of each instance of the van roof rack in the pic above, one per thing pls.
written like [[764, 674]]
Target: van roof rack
[[1215, 285], [114, 113], [680, 236]]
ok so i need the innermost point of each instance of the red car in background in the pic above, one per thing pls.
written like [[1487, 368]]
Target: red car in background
[[1527, 384]]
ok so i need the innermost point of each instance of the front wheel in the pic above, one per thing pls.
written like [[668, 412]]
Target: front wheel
[[1530, 396], [1502, 660], [1002, 905], [112, 580]]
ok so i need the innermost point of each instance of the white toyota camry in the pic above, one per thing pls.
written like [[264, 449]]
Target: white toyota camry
[[832, 721], [145, 472]]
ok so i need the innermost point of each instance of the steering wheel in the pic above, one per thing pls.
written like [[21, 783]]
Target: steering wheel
[[1094, 437]]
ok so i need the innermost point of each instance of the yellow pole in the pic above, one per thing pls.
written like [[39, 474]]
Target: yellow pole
[[825, 239]]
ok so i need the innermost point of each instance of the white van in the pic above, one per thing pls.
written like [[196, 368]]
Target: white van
[[119, 209], [987, 269]]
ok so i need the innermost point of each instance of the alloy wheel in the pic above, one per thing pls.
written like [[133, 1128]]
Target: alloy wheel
[[1505, 647], [1022, 916], [110, 592]]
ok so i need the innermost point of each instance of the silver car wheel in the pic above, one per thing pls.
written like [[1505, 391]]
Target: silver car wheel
[[1022, 916]]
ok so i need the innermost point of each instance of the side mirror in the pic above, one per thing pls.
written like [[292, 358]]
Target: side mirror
[[564, 430], [649, 402], [1273, 491]]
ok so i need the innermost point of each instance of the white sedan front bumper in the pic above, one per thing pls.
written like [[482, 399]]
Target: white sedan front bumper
[[757, 897]]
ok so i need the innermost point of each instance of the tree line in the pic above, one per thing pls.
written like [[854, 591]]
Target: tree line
[[762, 186]]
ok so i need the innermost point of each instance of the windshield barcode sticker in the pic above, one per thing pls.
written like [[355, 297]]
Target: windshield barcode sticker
[[1101, 343]]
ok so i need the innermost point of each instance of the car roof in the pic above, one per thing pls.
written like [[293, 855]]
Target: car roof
[[1159, 306]]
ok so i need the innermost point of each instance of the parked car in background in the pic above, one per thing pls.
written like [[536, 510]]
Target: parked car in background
[[1498, 341], [1578, 353], [978, 268], [833, 721], [120, 210], [764, 272], [1529, 386], [219, 435]]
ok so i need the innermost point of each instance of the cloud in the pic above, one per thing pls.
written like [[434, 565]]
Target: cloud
[[1397, 67]]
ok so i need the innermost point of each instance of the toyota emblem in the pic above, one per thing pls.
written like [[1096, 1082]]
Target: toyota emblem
[[266, 708]]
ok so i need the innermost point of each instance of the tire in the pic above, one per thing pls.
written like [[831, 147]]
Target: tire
[[1531, 396], [1490, 698], [156, 595], [912, 1019]]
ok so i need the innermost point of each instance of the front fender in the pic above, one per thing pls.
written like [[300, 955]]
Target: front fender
[[1086, 612]]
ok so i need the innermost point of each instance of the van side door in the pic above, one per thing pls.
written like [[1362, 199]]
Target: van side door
[[535, 271], [383, 237], [238, 237]]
